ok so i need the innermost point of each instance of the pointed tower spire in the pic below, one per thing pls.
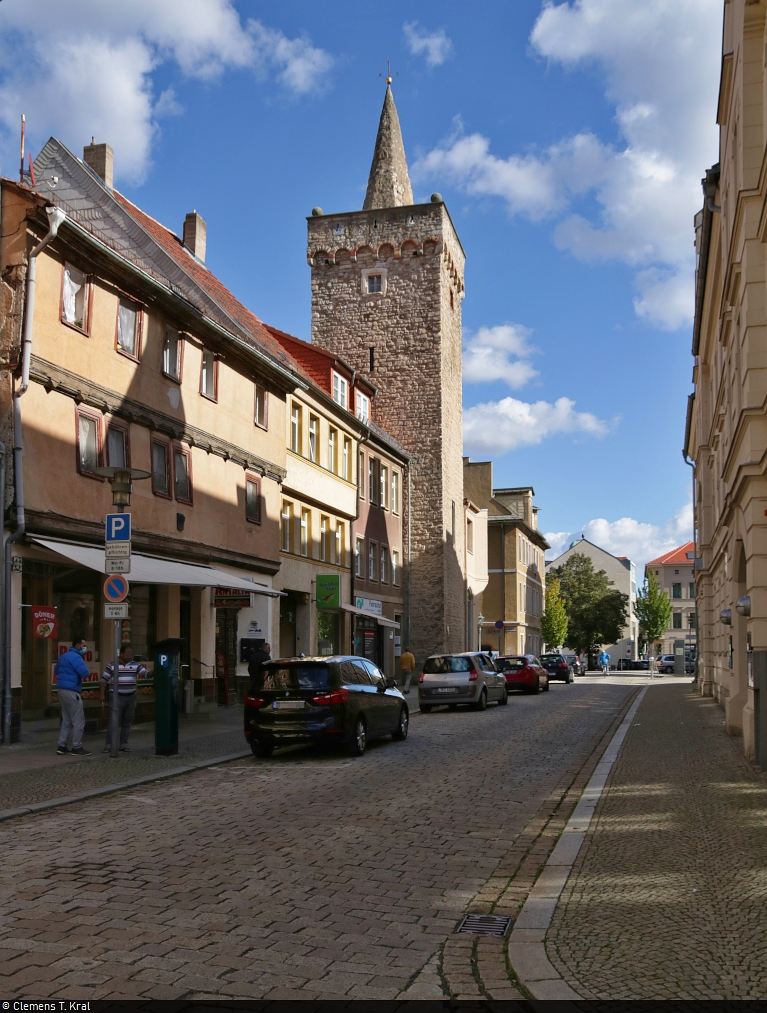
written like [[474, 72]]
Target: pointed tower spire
[[389, 182]]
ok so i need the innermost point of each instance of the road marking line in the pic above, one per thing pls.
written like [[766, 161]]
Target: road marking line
[[527, 947]]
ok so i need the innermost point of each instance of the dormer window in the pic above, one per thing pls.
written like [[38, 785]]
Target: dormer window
[[363, 407], [340, 390]]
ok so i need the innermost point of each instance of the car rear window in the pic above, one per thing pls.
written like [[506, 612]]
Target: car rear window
[[545, 658], [509, 664], [439, 666], [276, 677]]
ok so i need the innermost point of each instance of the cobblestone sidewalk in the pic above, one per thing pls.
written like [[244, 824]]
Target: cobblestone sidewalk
[[29, 775], [667, 897]]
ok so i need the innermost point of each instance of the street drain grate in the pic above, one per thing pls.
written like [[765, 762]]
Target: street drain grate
[[485, 925]]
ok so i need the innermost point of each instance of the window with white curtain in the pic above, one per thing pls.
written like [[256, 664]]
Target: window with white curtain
[[74, 302], [127, 328]]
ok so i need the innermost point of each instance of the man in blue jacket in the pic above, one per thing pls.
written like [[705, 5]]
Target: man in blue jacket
[[70, 672]]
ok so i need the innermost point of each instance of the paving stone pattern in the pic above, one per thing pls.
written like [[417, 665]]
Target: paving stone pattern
[[667, 897], [311, 875], [67, 775]]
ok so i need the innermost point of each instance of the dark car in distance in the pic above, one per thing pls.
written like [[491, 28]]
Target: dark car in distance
[[523, 671], [557, 666], [343, 699]]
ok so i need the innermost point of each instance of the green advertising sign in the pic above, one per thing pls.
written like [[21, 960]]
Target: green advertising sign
[[328, 590]]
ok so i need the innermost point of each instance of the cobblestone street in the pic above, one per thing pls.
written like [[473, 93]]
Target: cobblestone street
[[311, 875]]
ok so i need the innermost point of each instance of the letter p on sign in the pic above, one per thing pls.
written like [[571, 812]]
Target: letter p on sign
[[118, 528]]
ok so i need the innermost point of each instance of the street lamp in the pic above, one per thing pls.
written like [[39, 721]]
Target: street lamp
[[121, 480], [480, 621]]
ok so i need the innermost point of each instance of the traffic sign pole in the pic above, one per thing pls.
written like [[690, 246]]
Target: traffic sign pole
[[115, 591]]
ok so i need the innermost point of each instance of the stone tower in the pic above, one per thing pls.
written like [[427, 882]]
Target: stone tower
[[387, 285]]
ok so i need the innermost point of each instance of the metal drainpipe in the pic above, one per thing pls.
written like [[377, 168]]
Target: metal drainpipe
[[352, 540], [57, 216]]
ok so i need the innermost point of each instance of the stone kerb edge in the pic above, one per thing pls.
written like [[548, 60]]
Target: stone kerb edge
[[527, 947]]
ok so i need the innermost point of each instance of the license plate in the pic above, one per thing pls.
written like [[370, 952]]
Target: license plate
[[446, 689], [288, 705]]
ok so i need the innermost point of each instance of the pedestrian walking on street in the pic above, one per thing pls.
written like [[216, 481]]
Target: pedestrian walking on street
[[128, 674], [258, 658], [407, 664], [70, 671]]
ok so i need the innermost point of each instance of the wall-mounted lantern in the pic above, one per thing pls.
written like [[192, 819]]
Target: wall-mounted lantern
[[725, 616], [743, 605]]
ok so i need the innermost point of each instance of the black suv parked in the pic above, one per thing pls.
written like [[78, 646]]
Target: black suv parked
[[339, 699]]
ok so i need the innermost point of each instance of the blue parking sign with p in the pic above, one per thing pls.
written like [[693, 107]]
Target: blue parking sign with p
[[118, 528]]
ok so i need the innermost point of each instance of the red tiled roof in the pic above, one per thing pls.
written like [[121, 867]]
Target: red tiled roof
[[675, 556], [316, 361], [209, 283]]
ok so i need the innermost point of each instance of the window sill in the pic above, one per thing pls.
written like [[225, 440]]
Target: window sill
[[162, 495], [184, 502], [260, 425], [126, 355], [209, 397], [80, 330], [89, 474], [175, 379]]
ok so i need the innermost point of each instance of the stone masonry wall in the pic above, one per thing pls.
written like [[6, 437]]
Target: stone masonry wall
[[414, 330]]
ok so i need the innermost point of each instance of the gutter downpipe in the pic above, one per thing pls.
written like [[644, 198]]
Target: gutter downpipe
[[57, 216]]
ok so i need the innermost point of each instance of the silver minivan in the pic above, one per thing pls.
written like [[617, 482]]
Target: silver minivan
[[460, 678]]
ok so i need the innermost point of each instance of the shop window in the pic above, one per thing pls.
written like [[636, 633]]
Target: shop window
[[324, 538], [340, 543], [75, 299], [160, 469], [88, 442], [286, 524], [253, 500], [182, 474], [359, 558], [129, 328], [260, 412], [395, 567], [395, 492], [314, 425], [372, 553], [384, 568], [172, 351], [118, 455], [209, 375]]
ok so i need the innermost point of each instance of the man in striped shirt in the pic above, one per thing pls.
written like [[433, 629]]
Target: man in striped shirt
[[129, 671]]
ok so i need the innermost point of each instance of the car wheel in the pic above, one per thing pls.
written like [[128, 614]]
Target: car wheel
[[481, 704], [505, 698], [537, 687], [359, 741], [263, 750], [424, 708], [400, 734], [547, 687]]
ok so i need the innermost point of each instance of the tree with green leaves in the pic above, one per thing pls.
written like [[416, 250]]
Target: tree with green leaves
[[596, 611], [653, 610], [554, 619]]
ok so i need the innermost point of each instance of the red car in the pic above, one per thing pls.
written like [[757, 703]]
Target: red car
[[523, 671]]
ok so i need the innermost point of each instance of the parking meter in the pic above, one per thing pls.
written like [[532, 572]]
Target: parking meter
[[166, 667]]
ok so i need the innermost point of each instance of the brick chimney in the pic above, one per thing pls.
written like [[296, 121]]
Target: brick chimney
[[195, 235], [100, 158]]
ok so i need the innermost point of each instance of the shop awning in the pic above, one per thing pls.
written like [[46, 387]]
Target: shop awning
[[381, 620], [155, 570]]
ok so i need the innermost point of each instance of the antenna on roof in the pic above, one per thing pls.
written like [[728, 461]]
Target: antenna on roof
[[21, 158]]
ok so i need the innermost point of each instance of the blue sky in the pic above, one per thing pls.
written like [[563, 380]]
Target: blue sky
[[568, 140]]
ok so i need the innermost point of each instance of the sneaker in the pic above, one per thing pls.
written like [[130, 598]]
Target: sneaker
[[124, 749], [81, 752], [62, 750]]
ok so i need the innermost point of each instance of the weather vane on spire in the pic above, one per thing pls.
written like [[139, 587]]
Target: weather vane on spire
[[388, 72]]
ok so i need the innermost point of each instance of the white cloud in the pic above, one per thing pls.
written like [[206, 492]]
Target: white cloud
[[660, 65], [435, 46], [498, 353], [85, 68], [499, 426], [638, 540]]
